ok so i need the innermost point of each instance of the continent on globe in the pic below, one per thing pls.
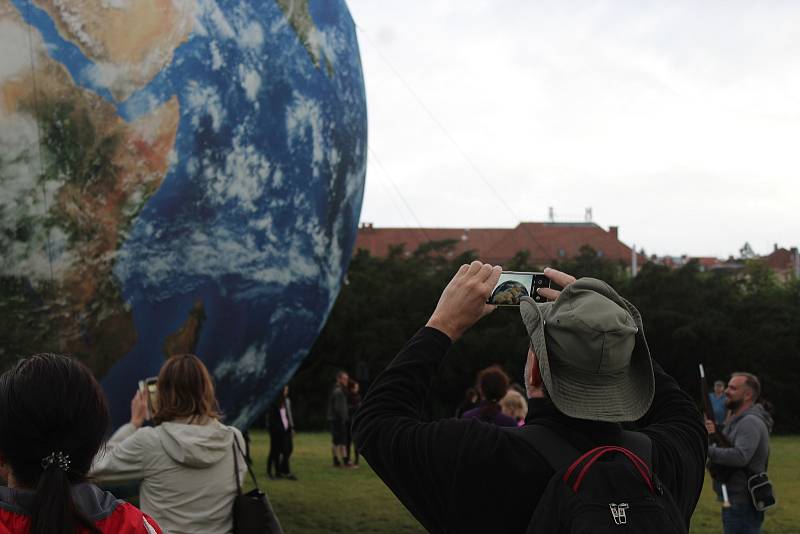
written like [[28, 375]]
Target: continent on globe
[[130, 41], [92, 173], [299, 17], [184, 340]]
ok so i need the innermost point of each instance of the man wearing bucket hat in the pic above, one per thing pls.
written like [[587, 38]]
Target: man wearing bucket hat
[[588, 358]]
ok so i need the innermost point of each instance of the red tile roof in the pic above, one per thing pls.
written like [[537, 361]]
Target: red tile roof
[[545, 241], [781, 259], [707, 262]]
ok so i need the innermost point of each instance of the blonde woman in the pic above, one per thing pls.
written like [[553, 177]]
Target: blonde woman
[[185, 462], [515, 405]]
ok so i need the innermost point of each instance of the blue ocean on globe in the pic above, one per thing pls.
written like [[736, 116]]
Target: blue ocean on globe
[[239, 254]]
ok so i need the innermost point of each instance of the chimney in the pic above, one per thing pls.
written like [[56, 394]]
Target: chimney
[[614, 231], [796, 259], [775, 247], [633, 258]]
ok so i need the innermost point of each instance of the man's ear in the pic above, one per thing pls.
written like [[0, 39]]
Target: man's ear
[[534, 377]]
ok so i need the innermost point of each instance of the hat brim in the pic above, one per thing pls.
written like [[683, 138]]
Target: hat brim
[[618, 397]]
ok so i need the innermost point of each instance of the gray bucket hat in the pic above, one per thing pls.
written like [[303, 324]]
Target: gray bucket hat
[[592, 353]]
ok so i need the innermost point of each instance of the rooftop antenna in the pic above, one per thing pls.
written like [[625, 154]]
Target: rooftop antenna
[[587, 216], [551, 214]]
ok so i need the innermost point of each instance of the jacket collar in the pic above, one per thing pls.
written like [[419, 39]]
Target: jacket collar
[[95, 503], [582, 433]]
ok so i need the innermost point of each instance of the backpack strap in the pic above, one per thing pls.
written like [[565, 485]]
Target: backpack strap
[[556, 451], [640, 445], [560, 453]]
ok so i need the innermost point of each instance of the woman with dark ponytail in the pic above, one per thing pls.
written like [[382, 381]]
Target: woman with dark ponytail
[[492, 385], [53, 418]]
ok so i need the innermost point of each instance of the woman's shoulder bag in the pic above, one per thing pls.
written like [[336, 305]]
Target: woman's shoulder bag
[[252, 512]]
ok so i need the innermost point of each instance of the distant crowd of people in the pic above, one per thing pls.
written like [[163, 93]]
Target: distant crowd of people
[[513, 459]]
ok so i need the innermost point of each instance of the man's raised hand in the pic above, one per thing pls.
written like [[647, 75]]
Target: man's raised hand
[[562, 279], [463, 301]]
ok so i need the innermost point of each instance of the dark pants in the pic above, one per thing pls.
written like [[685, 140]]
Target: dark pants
[[288, 447], [281, 445], [351, 445], [741, 519]]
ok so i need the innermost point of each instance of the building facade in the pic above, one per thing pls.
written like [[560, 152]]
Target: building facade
[[545, 241]]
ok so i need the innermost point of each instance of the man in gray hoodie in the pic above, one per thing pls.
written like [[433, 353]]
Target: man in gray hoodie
[[748, 431]]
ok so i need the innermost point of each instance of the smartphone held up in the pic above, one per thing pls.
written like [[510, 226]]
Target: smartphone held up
[[512, 285], [149, 387]]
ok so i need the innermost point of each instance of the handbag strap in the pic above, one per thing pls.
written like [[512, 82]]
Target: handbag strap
[[237, 447], [236, 467]]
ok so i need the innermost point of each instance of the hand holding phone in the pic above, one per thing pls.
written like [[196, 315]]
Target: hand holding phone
[[463, 301], [513, 284], [144, 403], [139, 412]]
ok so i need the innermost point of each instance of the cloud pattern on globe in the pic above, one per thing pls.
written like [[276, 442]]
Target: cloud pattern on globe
[[177, 177]]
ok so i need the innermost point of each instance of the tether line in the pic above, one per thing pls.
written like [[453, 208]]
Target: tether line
[[397, 190], [452, 140]]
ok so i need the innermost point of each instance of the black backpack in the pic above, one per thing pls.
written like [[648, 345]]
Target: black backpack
[[609, 489]]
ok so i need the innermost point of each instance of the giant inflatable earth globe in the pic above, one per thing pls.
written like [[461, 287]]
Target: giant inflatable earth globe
[[177, 176]]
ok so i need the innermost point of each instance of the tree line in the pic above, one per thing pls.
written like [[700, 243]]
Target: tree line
[[744, 322]]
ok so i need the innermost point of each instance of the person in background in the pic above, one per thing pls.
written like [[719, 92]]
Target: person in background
[[54, 417], [748, 431], [281, 436], [492, 385], [717, 398], [186, 461], [514, 405], [353, 403], [337, 417], [471, 400]]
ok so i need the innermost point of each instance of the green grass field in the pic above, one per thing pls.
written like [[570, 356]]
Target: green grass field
[[331, 500]]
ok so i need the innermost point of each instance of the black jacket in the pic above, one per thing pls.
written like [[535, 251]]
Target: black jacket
[[457, 475]]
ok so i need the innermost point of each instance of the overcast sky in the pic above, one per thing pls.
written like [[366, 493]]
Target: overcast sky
[[678, 121]]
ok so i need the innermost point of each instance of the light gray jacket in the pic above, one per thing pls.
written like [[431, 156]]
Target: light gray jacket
[[186, 472], [749, 434]]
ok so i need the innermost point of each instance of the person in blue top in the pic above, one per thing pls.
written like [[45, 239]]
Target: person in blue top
[[717, 399]]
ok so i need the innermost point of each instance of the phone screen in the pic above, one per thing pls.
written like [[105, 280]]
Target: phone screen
[[152, 393], [512, 285]]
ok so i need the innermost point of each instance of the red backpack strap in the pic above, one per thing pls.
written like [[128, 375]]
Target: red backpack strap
[[588, 459], [640, 444]]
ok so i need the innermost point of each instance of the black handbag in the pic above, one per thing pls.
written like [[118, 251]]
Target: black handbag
[[760, 489], [252, 512]]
